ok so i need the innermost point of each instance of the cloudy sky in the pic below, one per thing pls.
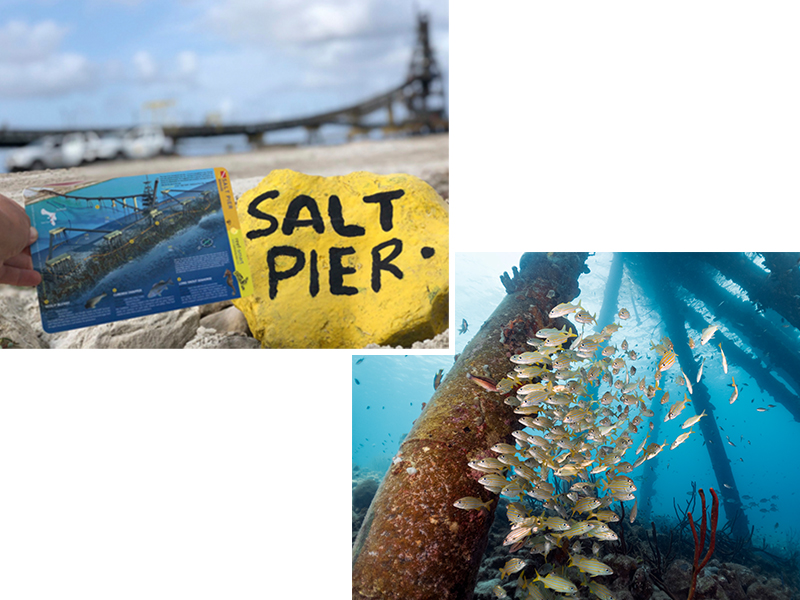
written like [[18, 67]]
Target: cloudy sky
[[71, 63]]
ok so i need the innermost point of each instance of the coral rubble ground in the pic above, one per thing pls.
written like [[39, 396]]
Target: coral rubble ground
[[764, 575]]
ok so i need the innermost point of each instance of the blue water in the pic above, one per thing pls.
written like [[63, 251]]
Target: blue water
[[762, 446], [159, 263], [388, 392]]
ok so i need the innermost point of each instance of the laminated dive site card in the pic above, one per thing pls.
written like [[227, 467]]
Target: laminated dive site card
[[133, 246]]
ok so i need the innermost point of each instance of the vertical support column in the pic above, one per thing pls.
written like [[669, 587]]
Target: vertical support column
[[654, 275]]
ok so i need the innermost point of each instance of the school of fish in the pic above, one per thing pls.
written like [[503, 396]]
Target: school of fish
[[564, 478]]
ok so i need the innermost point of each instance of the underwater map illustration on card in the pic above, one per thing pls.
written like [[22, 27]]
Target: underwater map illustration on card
[[134, 246]]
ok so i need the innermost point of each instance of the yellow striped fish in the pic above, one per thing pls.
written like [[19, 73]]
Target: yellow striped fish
[[667, 360], [601, 591], [514, 565], [707, 333], [559, 584], [592, 566], [735, 393], [472, 503], [692, 420]]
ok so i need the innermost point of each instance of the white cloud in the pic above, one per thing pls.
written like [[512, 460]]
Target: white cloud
[[187, 64], [21, 42], [287, 21], [52, 76], [350, 49], [144, 66]]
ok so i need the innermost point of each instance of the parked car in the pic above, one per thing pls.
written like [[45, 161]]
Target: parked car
[[92, 147], [51, 152], [73, 149], [146, 141], [109, 146]]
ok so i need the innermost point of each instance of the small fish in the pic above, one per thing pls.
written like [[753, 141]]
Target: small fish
[[359, 361], [554, 582], [464, 326], [707, 333], [92, 302], [759, 409], [724, 362], [357, 381], [592, 566], [735, 393], [634, 510], [584, 317], [586, 504], [691, 343], [700, 370], [499, 592], [677, 408], [516, 535], [437, 379], [692, 420], [158, 288], [667, 361], [680, 439], [556, 523], [688, 383], [472, 503], [564, 308], [601, 591], [484, 382], [624, 314], [514, 565], [730, 442], [619, 485]]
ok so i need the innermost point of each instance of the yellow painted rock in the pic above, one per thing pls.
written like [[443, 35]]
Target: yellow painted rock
[[342, 262]]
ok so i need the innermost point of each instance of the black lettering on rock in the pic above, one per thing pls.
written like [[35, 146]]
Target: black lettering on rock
[[337, 220], [313, 286], [254, 211], [338, 271], [274, 275], [384, 199], [384, 264], [293, 220]]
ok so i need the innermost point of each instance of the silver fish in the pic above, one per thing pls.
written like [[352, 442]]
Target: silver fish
[[158, 288], [92, 302]]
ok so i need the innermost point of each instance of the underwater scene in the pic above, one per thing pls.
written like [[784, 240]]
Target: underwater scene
[[129, 246], [612, 425]]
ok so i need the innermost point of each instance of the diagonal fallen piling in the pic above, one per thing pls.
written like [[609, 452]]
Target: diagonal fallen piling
[[414, 544]]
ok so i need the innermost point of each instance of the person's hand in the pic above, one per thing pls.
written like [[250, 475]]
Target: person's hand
[[16, 235]]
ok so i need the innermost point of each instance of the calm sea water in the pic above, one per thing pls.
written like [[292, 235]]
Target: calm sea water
[[761, 447]]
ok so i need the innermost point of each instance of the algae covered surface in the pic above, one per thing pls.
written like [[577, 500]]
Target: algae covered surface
[[603, 473]]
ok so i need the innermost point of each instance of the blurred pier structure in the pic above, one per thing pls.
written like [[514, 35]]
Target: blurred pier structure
[[421, 97]]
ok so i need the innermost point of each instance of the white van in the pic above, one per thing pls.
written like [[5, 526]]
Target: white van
[[146, 141]]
